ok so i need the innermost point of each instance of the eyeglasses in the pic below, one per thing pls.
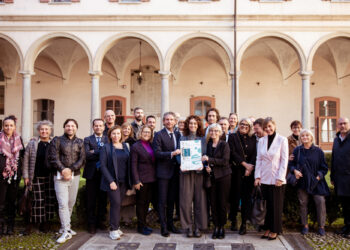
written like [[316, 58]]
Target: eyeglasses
[[146, 132], [244, 125], [342, 123]]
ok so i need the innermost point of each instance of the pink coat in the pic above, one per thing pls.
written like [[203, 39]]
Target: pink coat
[[272, 164]]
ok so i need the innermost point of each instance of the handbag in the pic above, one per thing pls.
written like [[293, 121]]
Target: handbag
[[25, 204], [291, 179], [258, 207]]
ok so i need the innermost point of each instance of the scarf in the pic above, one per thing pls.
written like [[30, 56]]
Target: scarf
[[10, 148]]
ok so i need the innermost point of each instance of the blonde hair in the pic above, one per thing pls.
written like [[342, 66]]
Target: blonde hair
[[305, 130], [125, 125], [249, 121], [212, 126], [138, 136]]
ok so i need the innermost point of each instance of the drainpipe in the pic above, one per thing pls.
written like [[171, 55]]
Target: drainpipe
[[234, 83]]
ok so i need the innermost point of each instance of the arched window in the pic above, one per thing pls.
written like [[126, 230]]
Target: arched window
[[327, 110], [117, 104], [44, 109], [200, 104]]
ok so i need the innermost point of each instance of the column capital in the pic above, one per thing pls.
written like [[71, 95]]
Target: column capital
[[164, 74], [238, 74], [26, 73], [305, 75], [95, 73]]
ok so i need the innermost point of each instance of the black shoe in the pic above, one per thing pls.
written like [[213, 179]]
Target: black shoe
[[173, 229], [272, 238], [243, 229], [215, 233], [91, 229], [234, 225], [189, 232], [149, 229], [221, 233], [264, 237], [164, 232], [197, 233], [144, 231]]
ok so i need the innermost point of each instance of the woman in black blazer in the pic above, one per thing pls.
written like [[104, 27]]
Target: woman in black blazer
[[218, 156], [143, 171], [115, 168], [243, 157]]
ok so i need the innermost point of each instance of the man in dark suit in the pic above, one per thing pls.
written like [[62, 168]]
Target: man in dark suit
[[137, 123], [164, 145], [92, 174]]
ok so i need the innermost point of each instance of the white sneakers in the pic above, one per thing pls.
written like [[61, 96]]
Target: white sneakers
[[114, 235], [120, 232], [64, 237]]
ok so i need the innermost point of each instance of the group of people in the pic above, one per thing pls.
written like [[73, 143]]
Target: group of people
[[237, 155]]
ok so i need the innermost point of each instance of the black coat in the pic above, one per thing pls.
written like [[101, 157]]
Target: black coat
[[242, 148], [163, 146], [340, 171], [143, 168], [109, 167], [219, 159], [311, 163], [92, 158]]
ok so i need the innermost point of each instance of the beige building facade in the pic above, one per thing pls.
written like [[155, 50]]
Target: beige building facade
[[78, 58]]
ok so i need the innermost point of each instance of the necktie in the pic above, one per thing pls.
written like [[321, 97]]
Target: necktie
[[172, 140], [99, 141]]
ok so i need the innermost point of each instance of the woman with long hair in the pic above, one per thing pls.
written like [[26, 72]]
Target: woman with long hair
[[11, 151], [192, 191]]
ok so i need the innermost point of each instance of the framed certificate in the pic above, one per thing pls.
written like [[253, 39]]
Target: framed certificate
[[191, 155]]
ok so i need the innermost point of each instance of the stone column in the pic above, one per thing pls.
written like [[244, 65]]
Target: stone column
[[305, 98], [234, 91], [26, 107], [95, 96], [165, 93]]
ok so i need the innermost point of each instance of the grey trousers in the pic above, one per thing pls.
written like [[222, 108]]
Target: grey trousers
[[320, 203], [66, 193], [192, 192]]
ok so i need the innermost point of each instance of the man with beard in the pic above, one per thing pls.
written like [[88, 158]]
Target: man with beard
[[137, 123]]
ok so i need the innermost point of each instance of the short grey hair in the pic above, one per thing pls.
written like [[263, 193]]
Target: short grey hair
[[250, 123], [308, 131], [212, 126], [43, 123]]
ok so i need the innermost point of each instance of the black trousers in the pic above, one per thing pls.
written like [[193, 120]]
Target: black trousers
[[8, 195], [241, 190], [96, 200], [143, 198], [345, 203], [219, 196], [116, 198], [274, 207], [168, 191]]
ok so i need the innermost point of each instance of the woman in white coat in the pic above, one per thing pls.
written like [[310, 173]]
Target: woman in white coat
[[270, 173]]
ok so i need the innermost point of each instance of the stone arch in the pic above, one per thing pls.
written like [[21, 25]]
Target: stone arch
[[171, 51], [110, 42], [43, 42], [321, 41], [286, 38], [17, 48]]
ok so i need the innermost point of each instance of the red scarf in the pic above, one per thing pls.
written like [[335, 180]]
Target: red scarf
[[10, 148]]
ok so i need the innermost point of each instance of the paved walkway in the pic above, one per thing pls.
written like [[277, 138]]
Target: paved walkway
[[101, 241]]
